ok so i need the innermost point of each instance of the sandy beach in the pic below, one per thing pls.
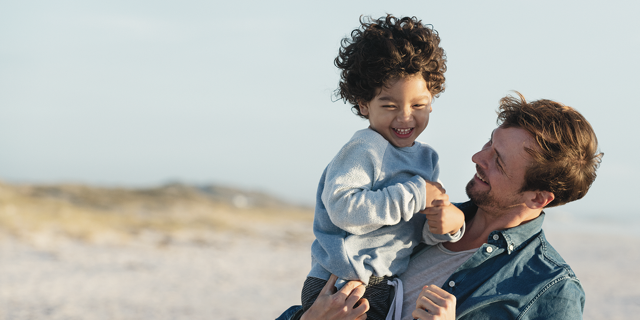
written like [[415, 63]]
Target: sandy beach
[[236, 276], [177, 252]]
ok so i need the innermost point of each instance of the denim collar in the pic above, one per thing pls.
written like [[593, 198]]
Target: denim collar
[[512, 239]]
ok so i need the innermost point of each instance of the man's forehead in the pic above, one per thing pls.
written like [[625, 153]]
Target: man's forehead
[[512, 142]]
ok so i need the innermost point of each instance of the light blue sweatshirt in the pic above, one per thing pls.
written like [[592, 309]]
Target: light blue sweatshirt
[[366, 219]]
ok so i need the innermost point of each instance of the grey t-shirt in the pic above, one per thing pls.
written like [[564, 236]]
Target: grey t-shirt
[[432, 266]]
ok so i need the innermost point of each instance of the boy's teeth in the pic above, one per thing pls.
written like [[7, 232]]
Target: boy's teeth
[[403, 131]]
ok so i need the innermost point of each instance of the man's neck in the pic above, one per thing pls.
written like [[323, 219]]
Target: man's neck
[[484, 222]]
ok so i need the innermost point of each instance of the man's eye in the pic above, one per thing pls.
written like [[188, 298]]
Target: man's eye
[[500, 166]]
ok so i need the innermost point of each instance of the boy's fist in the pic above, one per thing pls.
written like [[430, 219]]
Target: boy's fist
[[435, 191], [444, 217]]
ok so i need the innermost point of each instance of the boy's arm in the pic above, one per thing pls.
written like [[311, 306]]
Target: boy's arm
[[353, 206], [445, 223]]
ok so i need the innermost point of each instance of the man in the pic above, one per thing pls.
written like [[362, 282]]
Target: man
[[543, 154]]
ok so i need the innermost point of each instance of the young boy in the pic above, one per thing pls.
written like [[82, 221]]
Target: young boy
[[365, 219]]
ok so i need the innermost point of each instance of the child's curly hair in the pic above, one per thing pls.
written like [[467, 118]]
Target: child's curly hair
[[387, 49]]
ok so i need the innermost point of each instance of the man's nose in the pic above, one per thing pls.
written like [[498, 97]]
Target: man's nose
[[479, 158]]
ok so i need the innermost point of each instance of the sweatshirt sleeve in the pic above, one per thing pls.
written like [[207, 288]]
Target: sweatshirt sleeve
[[348, 197], [433, 239]]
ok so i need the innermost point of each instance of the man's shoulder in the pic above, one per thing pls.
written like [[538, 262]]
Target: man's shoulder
[[531, 277], [546, 268], [553, 257], [543, 262], [558, 293]]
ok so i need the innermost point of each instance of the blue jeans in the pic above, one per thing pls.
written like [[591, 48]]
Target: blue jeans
[[289, 313]]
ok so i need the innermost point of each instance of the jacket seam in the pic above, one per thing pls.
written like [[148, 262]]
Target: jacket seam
[[543, 291], [544, 245]]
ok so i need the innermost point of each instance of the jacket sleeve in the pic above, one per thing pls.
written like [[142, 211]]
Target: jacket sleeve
[[348, 197]]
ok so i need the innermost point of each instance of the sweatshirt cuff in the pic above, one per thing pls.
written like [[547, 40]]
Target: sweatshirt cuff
[[432, 239]]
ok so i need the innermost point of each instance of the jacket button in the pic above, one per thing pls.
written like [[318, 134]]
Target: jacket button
[[511, 247], [452, 284], [496, 237], [489, 249]]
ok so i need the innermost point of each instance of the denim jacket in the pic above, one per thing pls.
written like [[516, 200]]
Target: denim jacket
[[515, 275]]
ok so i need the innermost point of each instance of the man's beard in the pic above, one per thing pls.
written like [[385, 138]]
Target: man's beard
[[488, 201], [480, 198]]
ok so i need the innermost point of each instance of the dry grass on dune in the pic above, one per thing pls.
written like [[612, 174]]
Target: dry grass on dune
[[172, 252], [115, 214]]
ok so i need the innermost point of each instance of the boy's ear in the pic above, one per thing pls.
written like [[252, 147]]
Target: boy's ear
[[539, 199], [364, 108]]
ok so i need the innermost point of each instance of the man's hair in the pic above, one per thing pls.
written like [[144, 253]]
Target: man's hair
[[568, 157], [385, 50]]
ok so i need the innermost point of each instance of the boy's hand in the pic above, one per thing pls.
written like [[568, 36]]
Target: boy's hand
[[444, 217], [435, 191]]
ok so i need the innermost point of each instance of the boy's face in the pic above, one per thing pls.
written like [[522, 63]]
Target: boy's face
[[400, 111]]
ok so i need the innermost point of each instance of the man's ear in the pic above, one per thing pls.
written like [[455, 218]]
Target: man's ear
[[364, 108], [539, 199]]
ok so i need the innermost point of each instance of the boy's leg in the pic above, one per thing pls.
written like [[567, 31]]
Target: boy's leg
[[310, 291], [378, 292]]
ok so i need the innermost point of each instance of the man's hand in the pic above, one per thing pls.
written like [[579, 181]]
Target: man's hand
[[339, 305], [444, 217], [435, 303], [435, 191]]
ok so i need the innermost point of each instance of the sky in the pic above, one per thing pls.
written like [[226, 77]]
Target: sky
[[240, 93]]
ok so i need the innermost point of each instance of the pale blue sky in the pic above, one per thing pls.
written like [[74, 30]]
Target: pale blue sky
[[138, 93]]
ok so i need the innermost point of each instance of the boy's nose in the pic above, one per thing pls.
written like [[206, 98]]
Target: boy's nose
[[405, 114]]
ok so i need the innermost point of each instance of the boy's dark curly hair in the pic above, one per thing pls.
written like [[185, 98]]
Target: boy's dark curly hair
[[386, 49]]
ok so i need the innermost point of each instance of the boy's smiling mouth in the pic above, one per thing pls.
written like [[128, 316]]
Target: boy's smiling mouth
[[404, 132]]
